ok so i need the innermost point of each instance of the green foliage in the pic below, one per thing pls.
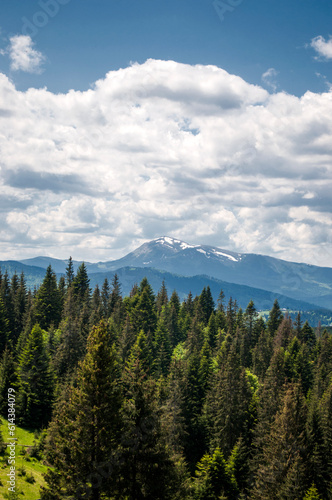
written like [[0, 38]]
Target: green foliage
[[47, 305], [163, 399], [35, 382], [312, 494], [214, 478], [88, 415]]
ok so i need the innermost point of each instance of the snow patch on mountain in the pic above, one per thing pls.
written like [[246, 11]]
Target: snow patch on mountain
[[230, 257]]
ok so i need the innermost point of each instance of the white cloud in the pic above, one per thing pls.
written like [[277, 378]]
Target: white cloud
[[165, 148], [269, 78], [23, 56], [322, 47]]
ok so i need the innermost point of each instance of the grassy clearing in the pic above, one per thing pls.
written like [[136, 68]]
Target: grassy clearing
[[26, 466]]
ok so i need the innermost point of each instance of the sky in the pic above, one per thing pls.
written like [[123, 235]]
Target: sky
[[206, 120]]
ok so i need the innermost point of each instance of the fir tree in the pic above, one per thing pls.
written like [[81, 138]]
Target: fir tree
[[47, 304], [275, 318], [148, 469], [88, 418], [281, 473], [70, 273], [36, 383]]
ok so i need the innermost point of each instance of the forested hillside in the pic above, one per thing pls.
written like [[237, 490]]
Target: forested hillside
[[148, 397]]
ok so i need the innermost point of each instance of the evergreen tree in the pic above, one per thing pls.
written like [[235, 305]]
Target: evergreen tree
[[71, 347], [144, 313], [81, 284], [214, 479], [162, 346], [47, 304], [115, 301], [70, 273], [36, 384], [228, 404], [162, 297], [275, 318], [148, 470], [7, 298], [4, 327], [88, 418], [281, 473], [8, 378], [307, 335], [105, 298]]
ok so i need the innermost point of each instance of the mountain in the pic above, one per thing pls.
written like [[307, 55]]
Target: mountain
[[299, 281], [263, 299], [303, 282], [58, 266], [33, 275]]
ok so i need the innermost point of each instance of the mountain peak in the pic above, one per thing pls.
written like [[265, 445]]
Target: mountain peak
[[207, 251], [173, 242]]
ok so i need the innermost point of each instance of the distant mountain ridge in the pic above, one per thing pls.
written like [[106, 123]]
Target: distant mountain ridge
[[304, 282]]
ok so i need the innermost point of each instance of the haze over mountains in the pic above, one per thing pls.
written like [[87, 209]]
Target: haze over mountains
[[187, 267]]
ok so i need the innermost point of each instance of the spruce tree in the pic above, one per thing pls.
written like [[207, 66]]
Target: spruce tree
[[89, 419], [275, 318], [281, 473], [35, 382], [148, 471], [47, 304], [4, 327], [70, 273]]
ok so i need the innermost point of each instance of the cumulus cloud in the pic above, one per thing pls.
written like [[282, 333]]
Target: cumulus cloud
[[165, 148], [23, 55], [269, 78], [322, 47]]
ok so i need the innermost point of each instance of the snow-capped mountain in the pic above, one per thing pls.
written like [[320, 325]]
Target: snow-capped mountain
[[299, 281]]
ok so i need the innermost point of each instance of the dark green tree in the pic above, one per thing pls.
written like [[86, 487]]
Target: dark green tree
[[70, 273], [275, 318], [47, 304], [148, 470], [35, 382], [89, 419]]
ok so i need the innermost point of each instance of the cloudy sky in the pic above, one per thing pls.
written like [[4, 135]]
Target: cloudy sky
[[206, 120]]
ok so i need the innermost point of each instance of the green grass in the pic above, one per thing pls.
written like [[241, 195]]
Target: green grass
[[31, 466]]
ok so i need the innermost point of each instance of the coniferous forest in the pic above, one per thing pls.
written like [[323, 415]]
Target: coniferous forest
[[145, 397]]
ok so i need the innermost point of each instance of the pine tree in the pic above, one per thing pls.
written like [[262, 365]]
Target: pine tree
[[228, 404], [115, 301], [162, 346], [4, 327], [162, 297], [8, 378], [275, 318], [89, 419], [312, 494], [81, 284], [105, 298], [307, 335], [70, 273], [36, 384], [148, 469], [47, 305], [7, 298], [214, 479], [71, 347], [144, 313], [231, 316], [281, 473]]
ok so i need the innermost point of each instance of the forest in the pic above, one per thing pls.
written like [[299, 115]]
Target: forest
[[147, 397]]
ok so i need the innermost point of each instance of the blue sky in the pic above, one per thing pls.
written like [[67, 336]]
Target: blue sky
[[88, 38], [209, 121]]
